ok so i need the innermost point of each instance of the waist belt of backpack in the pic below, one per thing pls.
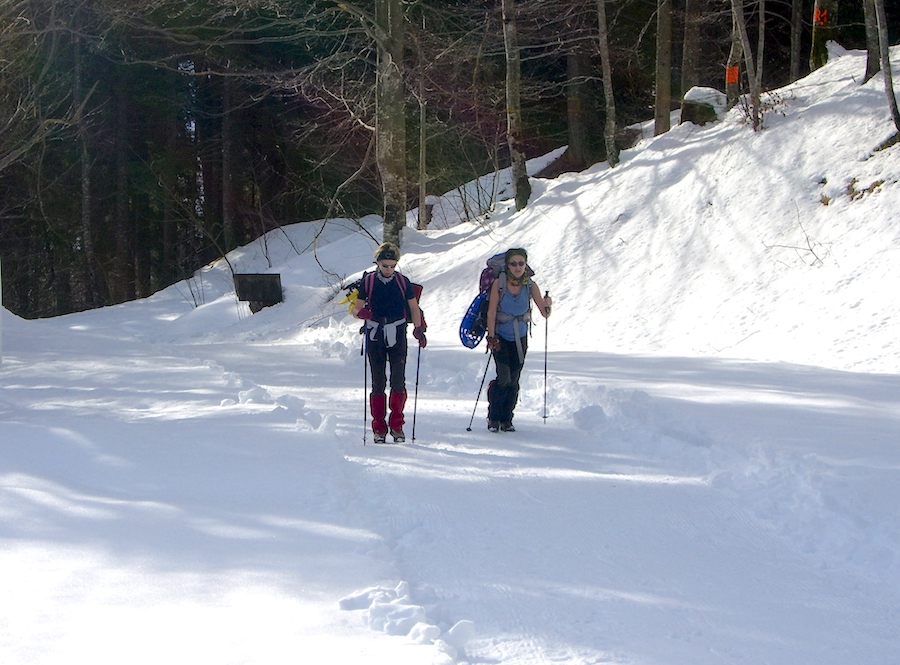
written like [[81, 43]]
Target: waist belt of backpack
[[388, 331], [503, 317]]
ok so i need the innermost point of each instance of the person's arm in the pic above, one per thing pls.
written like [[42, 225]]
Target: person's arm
[[493, 301], [415, 312], [542, 303], [416, 315]]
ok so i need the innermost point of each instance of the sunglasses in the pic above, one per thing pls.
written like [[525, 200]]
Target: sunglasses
[[516, 264]]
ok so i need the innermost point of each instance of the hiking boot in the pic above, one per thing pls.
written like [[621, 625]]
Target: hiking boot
[[507, 427], [380, 438], [493, 426], [399, 436]]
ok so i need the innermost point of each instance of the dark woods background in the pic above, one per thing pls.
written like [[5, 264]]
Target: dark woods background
[[142, 139]]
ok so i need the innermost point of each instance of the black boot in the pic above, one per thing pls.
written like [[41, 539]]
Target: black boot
[[495, 400], [510, 398]]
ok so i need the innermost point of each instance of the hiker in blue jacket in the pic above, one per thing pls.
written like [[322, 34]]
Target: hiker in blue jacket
[[508, 319], [387, 303]]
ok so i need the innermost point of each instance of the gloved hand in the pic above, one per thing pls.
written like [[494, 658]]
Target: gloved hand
[[419, 334], [493, 343], [364, 313]]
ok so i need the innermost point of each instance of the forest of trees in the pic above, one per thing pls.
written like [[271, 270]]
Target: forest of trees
[[144, 138]]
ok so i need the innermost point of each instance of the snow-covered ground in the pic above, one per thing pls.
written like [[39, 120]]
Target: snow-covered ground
[[716, 481]]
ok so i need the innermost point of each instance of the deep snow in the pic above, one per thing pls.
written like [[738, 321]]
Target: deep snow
[[717, 479]]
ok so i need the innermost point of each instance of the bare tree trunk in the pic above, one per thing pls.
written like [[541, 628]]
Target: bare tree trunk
[[209, 156], [169, 223], [521, 185], [143, 240], [577, 75], [93, 297], [229, 224], [663, 107], [733, 67], [423, 173], [390, 120], [886, 62], [824, 28], [423, 220], [92, 291], [796, 32], [761, 40], [609, 131], [690, 51], [122, 282], [737, 8], [873, 49]]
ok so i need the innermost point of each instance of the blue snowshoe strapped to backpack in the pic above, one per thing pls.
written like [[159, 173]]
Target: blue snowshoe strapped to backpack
[[474, 322]]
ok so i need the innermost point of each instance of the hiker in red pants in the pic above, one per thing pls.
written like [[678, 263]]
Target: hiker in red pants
[[387, 303], [508, 318]]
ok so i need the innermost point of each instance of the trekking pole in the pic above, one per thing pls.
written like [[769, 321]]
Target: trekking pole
[[416, 393], [362, 350], [546, 337], [480, 388]]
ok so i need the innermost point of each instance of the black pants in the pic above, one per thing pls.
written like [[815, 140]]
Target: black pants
[[379, 358], [503, 391]]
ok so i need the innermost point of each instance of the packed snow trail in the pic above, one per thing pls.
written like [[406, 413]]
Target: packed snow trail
[[562, 544], [157, 508], [700, 498], [563, 540]]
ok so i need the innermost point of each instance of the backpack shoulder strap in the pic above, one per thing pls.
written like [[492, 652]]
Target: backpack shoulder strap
[[368, 281], [401, 282]]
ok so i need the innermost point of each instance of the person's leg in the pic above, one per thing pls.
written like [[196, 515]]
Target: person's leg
[[511, 396], [377, 399], [397, 359], [498, 389], [397, 402]]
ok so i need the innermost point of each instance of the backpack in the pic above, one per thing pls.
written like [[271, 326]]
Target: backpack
[[368, 280], [474, 323], [496, 267]]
